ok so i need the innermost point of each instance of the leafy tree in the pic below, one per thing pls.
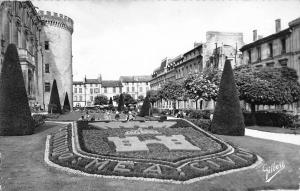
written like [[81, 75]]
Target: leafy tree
[[267, 86], [15, 115], [116, 98], [54, 103], [141, 98], [128, 99], [101, 100], [121, 103], [153, 96], [173, 91], [145, 110], [228, 118], [66, 106]]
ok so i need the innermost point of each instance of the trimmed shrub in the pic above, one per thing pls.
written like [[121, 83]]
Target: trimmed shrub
[[228, 118], [266, 118], [54, 103], [202, 123], [121, 103], [163, 118], [15, 115], [66, 106], [198, 114], [145, 108], [38, 120]]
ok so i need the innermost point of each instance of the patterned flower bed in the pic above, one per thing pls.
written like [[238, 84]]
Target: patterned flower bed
[[179, 153], [95, 141]]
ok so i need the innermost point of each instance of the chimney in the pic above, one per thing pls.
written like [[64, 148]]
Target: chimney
[[277, 25], [255, 35]]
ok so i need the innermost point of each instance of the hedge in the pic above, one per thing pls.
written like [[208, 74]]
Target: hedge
[[266, 118]]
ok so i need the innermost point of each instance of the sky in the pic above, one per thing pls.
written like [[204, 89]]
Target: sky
[[117, 38]]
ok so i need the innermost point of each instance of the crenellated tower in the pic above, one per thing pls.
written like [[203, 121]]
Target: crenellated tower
[[56, 39]]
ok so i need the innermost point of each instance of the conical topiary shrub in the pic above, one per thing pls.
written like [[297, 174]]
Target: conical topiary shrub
[[228, 118], [121, 103], [145, 110], [15, 114], [54, 103], [66, 107]]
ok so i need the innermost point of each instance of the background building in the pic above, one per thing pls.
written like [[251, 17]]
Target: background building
[[84, 92], [281, 49], [135, 85], [212, 54], [44, 43]]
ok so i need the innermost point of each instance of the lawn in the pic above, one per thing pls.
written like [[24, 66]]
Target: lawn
[[23, 168]]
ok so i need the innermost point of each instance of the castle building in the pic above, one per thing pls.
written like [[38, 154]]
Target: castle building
[[219, 46], [44, 43], [281, 49]]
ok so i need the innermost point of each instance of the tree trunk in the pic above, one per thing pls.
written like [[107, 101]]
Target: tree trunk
[[253, 119]]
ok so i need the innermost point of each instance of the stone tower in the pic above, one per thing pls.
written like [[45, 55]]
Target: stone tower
[[56, 40]]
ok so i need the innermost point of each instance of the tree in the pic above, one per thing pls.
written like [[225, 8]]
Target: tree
[[54, 103], [153, 96], [228, 118], [267, 86], [128, 99], [140, 98], [145, 110], [110, 101], [15, 115], [66, 106], [121, 103], [203, 85], [101, 100], [173, 91], [116, 98]]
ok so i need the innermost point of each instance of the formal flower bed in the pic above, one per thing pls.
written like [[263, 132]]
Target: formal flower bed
[[95, 141], [197, 156]]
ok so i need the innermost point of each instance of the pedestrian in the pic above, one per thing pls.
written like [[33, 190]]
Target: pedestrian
[[117, 116]]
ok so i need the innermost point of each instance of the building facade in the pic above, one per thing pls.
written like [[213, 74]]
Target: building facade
[[21, 25], [135, 85], [44, 43], [281, 49], [218, 47], [84, 92]]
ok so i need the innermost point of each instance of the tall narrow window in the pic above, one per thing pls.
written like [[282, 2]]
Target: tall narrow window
[[105, 89], [127, 89], [132, 89], [46, 45], [141, 89], [258, 53], [114, 89], [120, 90], [75, 90], [271, 50], [91, 90], [47, 87], [47, 68], [283, 46]]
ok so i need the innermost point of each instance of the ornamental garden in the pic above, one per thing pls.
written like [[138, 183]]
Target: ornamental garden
[[173, 151]]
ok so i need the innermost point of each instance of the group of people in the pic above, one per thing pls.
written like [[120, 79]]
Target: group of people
[[108, 115]]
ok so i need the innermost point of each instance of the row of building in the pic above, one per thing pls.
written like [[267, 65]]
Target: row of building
[[281, 49], [44, 43], [84, 92]]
